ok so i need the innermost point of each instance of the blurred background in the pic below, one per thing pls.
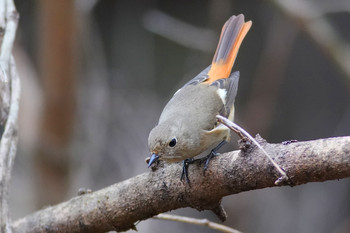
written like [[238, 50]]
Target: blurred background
[[96, 75]]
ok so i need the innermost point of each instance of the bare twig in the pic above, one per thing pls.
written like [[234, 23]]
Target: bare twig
[[328, 7], [8, 26], [233, 126], [179, 32], [320, 30], [5, 95], [119, 206], [9, 100], [8, 145], [200, 222]]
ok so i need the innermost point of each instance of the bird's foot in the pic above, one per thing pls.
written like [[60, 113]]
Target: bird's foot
[[207, 159], [184, 174], [212, 154]]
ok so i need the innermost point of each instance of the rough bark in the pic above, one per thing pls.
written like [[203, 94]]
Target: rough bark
[[119, 206]]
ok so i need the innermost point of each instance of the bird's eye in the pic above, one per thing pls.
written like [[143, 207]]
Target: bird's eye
[[172, 143]]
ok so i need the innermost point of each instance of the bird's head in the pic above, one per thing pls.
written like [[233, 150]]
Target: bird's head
[[171, 142]]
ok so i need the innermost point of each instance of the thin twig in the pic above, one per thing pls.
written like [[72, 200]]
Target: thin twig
[[9, 82], [320, 30], [8, 145], [5, 95], [233, 126], [179, 32], [10, 33], [200, 222], [8, 26], [2, 19]]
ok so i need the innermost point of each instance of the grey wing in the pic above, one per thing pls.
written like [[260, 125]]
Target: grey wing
[[201, 77], [231, 86]]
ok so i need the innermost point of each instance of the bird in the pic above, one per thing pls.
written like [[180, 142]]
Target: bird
[[187, 125]]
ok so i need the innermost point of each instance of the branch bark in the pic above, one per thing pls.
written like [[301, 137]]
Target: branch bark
[[119, 206]]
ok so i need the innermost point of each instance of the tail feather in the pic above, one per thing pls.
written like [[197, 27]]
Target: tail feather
[[232, 35]]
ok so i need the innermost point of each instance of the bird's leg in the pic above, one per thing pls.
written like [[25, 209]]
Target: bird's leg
[[212, 154], [184, 173]]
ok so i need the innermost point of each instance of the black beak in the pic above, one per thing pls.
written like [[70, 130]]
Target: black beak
[[153, 158]]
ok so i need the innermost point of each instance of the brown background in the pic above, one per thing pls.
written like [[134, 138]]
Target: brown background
[[96, 75]]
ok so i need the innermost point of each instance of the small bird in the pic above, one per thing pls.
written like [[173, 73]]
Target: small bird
[[187, 126]]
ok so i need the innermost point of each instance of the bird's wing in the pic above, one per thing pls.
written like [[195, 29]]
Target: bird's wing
[[201, 77], [227, 90]]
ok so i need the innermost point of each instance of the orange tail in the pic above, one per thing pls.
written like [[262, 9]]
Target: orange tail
[[232, 35]]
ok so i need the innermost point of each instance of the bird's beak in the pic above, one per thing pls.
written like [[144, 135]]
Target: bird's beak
[[153, 158]]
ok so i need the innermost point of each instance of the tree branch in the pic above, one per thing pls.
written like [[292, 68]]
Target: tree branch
[[199, 222], [119, 206], [9, 104], [8, 25]]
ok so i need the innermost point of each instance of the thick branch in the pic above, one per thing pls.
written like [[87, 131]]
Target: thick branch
[[119, 206]]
